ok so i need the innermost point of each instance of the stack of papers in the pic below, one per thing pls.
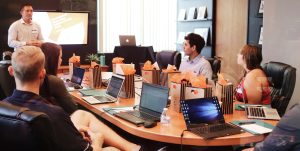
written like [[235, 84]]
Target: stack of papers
[[254, 126]]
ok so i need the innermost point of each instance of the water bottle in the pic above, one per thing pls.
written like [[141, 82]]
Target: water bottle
[[164, 118], [102, 60]]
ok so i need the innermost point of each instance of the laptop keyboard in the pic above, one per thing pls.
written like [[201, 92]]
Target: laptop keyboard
[[213, 128], [216, 130], [256, 111], [142, 115]]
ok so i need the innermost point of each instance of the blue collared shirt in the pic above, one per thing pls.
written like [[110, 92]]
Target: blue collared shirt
[[198, 66]]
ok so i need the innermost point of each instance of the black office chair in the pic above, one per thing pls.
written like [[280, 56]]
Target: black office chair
[[26, 130], [166, 57], [7, 82], [282, 78], [215, 64]]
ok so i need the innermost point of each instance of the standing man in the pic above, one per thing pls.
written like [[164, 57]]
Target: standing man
[[195, 63], [24, 31]]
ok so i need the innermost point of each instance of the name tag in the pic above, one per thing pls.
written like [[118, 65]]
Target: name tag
[[34, 31]]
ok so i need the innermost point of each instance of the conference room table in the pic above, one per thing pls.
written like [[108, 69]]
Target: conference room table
[[171, 133]]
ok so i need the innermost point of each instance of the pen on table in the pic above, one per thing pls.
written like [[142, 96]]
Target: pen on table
[[244, 123]]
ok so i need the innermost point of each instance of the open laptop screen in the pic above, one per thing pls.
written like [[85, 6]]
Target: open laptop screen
[[127, 40], [202, 111], [114, 86], [154, 97], [77, 76]]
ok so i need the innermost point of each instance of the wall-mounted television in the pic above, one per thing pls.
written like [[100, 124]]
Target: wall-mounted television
[[63, 27]]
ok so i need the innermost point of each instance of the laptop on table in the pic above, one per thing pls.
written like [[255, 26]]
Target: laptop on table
[[76, 78], [111, 93], [204, 117], [261, 112], [154, 99], [127, 40]]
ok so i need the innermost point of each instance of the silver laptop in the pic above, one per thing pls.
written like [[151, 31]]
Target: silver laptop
[[127, 40], [111, 93], [262, 112]]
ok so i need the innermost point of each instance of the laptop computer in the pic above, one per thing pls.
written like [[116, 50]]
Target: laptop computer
[[127, 40], [261, 112], [111, 93], [203, 117], [154, 99], [76, 78]]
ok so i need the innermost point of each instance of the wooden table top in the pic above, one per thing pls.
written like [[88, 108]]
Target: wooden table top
[[171, 133]]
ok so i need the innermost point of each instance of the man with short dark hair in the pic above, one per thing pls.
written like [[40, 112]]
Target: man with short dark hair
[[195, 63], [28, 70], [24, 31]]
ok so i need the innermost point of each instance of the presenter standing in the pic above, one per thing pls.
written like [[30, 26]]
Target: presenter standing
[[24, 31]]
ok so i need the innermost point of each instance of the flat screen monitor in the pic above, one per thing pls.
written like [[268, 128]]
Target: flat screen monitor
[[63, 27]]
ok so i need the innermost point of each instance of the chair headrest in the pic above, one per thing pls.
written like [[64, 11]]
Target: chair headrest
[[277, 71], [21, 113]]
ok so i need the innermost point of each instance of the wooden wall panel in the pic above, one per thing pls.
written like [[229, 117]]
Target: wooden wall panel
[[231, 35]]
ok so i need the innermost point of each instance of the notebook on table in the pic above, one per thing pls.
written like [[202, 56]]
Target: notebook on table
[[204, 117], [111, 93], [153, 100], [262, 112], [76, 78], [127, 40]]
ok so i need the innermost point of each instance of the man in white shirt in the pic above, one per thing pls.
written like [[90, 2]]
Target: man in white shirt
[[24, 31], [195, 63]]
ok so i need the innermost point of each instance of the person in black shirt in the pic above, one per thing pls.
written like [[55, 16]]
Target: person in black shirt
[[28, 70]]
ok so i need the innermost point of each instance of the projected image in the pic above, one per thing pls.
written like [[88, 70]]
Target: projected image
[[63, 28]]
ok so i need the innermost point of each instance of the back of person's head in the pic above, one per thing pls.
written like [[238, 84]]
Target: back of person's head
[[24, 5], [195, 40], [51, 52], [27, 62], [252, 56]]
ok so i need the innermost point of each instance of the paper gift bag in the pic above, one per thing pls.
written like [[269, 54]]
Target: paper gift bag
[[225, 95], [95, 77], [128, 86], [166, 78], [177, 93], [193, 92], [72, 65], [114, 68], [151, 76]]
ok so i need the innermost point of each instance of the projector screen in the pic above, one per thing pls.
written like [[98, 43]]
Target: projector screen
[[63, 27]]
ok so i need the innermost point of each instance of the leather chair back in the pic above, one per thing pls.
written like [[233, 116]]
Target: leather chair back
[[166, 57], [215, 64], [282, 78], [7, 82], [23, 129]]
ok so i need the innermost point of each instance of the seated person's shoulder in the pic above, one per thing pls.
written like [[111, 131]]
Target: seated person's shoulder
[[257, 75], [291, 118]]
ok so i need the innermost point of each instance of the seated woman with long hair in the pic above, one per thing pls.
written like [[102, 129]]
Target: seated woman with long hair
[[254, 86], [54, 89]]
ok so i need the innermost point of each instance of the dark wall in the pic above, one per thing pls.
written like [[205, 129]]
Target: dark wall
[[255, 21], [10, 13]]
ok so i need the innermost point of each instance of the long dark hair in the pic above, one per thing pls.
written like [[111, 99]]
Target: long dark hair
[[51, 51]]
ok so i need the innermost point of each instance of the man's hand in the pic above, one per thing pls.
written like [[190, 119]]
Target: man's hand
[[36, 43]]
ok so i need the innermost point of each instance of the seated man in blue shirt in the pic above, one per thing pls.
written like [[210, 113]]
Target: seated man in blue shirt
[[195, 63], [285, 136], [28, 70]]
